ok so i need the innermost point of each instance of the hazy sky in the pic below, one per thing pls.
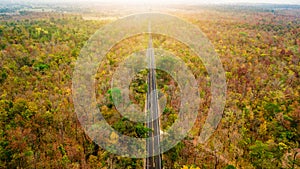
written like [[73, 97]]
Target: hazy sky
[[168, 1], [206, 1]]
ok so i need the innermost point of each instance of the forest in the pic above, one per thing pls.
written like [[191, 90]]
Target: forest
[[259, 47]]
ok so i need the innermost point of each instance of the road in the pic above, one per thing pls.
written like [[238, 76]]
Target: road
[[152, 162]]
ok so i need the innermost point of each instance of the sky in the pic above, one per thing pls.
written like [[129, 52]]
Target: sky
[[209, 1], [169, 1]]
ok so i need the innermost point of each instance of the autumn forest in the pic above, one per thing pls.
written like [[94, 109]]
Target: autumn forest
[[258, 46]]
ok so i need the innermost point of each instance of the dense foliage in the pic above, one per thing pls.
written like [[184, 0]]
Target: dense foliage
[[260, 51]]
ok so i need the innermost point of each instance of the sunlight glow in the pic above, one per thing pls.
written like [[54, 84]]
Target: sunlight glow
[[295, 2], [195, 1]]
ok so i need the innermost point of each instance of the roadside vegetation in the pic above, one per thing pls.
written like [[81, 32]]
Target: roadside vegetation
[[260, 52]]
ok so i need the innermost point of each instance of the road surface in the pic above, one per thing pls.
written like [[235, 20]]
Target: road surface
[[152, 162]]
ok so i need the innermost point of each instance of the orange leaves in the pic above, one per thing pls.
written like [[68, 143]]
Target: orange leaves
[[18, 138]]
